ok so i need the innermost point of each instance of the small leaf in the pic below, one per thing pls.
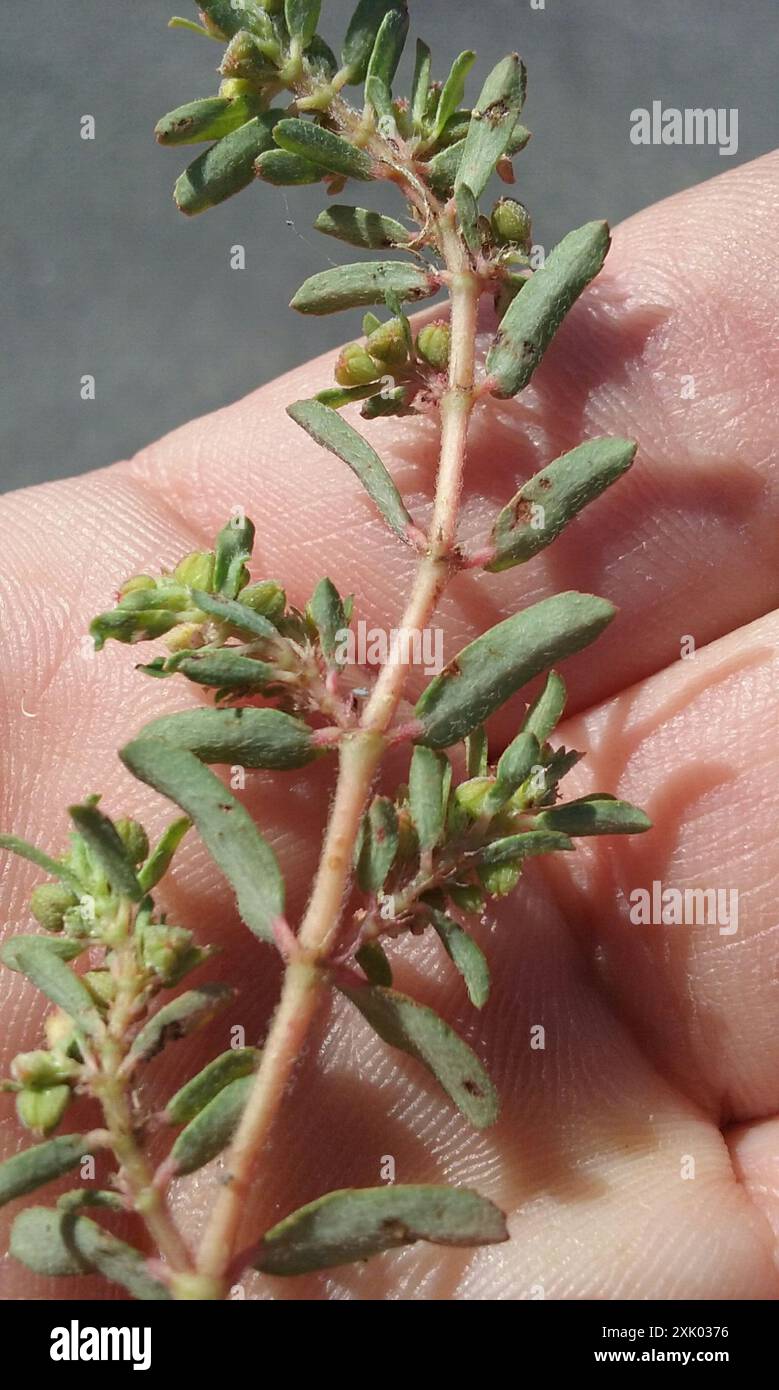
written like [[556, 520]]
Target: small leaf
[[234, 546], [226, 167], [519, 846], [328, 614], [323, 147], [476, 753], [212, 1127], [533, 317], [225, 826], [385, 402], [514, 767], [285, 170], [418, 1030], [177, 22], [443, 167], [466, 955], [546, 711], [366, 282], [178, 1019], [194, 1095], [43, 861], [235, 612], [246, 737], [158, 862], [503, 659], [302, 17], [492, 122], [45, 968], [57, 1242], [335, 397], [597, 814], [64, 947], [383, 62], [453, 90], [426, 794], [226, 670], [554, 496], [420, 87], [372, 959], [361, 34], [333, 433], [379, 845], [232, 15], [361, 227], [355, 1223], [41, 1164], [107, 850], [80, 1197], [209, 119], [468, 214]]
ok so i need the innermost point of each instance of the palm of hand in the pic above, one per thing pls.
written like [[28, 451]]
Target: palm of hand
[[609, 1155]]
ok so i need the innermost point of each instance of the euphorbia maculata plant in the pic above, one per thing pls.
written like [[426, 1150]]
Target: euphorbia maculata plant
[[281, 694]]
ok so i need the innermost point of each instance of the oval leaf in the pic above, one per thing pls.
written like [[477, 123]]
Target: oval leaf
[[238, 615], [159, 860], [378, 846], [40, 1164], [372, 959], [43, 861], [365, 282], [595, 815], [493, 667], [426, 794], [212, 1128], [194, 1095], [383, 62], [361, 34], [534, 316], [328, 429], [225, 826], [469, 959], [361, 227], [322, 147], [107, 849], [178, 1019], [209, 119], [418, 1030], [247, 737], [515, 847], [50, 974], [285, 170], [355, 1223], [546, 710], [226, 167], [492, 122], [53, 1242]]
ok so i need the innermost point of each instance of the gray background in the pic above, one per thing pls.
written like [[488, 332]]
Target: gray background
[[101, 275]]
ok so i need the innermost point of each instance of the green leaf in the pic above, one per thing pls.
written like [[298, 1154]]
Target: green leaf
[[514, 767], [366, 282], [328, 614], [179, 1018], [533, 317], [426, 794], [361, 35], [465, 955], [527, 842], [335, 397], [418, 1030], [476, 753], [212, 1128], [238, 614], [177, 22], [546, 710], [328, 429], [209, 119], [107, 850], [492, 122], [226, 670], [361, 227], [468, 214], [158, 862], [379, 845], [443, 167], [41, 1164], [383, 62], [453, 90], [554, 496], [43, 861], [597, 814], [285, 170], [226, 167], [503, 659], [372, 959], [225, 826], [80, 1197], [302, 17], [39, 959], [385, 402], [246, 737], [322, 147], [57, 1242], [321, 58], [232, 15], [234, 546], [420, 87], [355, 1223], [196, 1094]]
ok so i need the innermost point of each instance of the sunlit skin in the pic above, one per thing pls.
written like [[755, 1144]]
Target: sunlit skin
[[661, 1045]]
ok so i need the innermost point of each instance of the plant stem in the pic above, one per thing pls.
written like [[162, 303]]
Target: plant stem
[[305, 980]]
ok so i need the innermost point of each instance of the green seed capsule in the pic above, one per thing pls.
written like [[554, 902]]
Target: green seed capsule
[[134, 838], [49, 902], [387, 343], [42, 1110], [196, 570], [510, 221], [267, 597], [433, 344], [39, 1070], [354, 367], [101, 985]]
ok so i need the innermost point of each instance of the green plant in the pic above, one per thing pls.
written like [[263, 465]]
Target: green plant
[[425, 859]]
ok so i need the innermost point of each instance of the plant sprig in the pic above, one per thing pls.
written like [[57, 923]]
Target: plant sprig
[[456, 835]]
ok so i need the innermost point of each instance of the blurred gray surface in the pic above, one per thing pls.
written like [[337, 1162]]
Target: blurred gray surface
[[102, 276]]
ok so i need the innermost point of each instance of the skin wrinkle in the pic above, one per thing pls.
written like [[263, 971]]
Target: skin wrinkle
[[586, 1157]]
